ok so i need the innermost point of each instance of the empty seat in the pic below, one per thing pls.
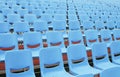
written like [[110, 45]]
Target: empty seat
[[19, 63], [42, 27], [20, 28], [100, 56], [51, 63], [91, 37], [116, 34], [115, 53], [8, 42], [78, 61], [55, 38], [30, 18], [75, 37], [60, 26], [33, 42], [87, 25], [74, 25], [13, 18], [4, 27], [99, 25], [106, 36], [60, 17], [111, 72]]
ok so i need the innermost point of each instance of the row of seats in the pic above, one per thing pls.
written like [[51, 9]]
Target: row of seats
[[51, 63], [33, 40]]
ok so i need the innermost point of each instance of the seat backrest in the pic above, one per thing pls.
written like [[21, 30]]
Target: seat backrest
[[110, 24], [4, 27], [91, 37], [19, 60], [115, 50], [75, 37], [111, 72], [30, 18], [60, 17], [87, 25], [99, 25], [74, 25], [20, 27], [8, 42], [13, 18], [50, 60], [77, 56], [106, 36], [59, 25], [40, 26], [32, 40], [55, 38], [116, 34], [99, 53], [72, 17]]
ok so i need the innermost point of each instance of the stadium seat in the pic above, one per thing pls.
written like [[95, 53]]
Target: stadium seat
[[78, 61], [91, 37], [100, 56], [8, 42], [55, 38], [51, 63], [42, 27], [59, 25], [20, 28], [116, 34], [111, 72], [33, 42], [74, 25], [106, 36], [19, 63], [114, 48], [4, 27], [75, 37]]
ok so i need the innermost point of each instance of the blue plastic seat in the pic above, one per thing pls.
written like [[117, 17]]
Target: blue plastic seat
[[99, 25], [75, 37], [106, 36], [19, 64], [110, 24], [58, 11], [111, 72], [30, 18], [33, 42], [13, 18], [37, 12], [59, 25], [51, 63], [8, 42], [100, 56], [42, 27], [20, 28], [4, 27], [48, 18], [116, 34], [55, 38], [60, 17], [78, 61], [114, 48], [72, 17], [87, 25], [91, 37], [118, 24], [22, 12], [74, 25], [6, 10], [2, 19]]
